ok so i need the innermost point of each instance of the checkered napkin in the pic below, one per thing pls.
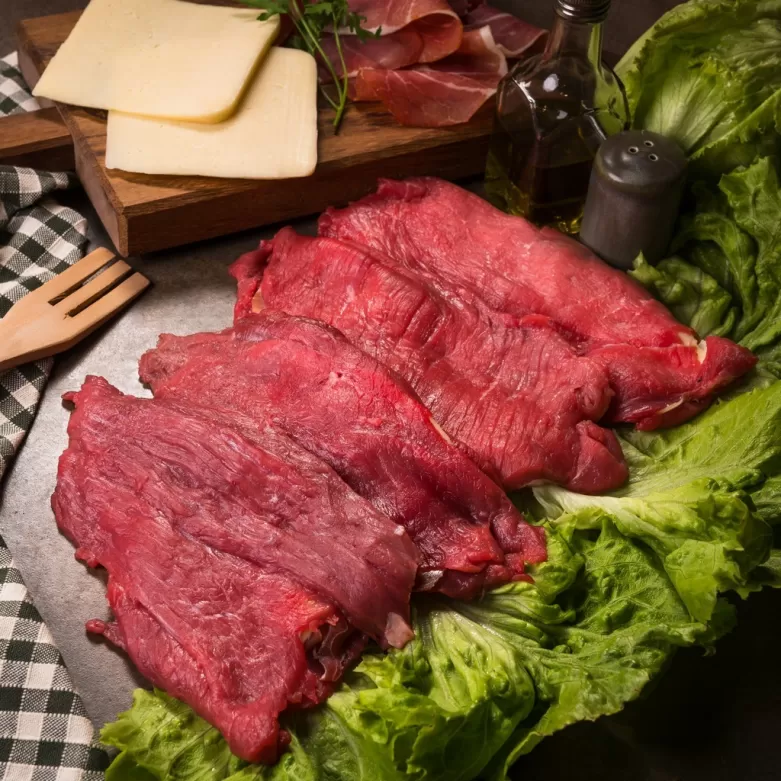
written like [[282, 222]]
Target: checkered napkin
[[45, 734]]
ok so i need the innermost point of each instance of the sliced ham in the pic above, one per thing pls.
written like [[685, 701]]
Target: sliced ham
[[435, 64], [513, 36], [434, 20], [389, 52], [448, 92], [478, 53]]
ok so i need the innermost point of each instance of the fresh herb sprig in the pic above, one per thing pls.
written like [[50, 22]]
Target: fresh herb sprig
[[311, 20]]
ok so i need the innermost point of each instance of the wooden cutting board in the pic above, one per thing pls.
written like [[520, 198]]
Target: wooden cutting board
[[145, 213]]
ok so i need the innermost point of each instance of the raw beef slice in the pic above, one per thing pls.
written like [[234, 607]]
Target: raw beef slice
[[511, 390], [347, 409], [238, 563], [660, 373]]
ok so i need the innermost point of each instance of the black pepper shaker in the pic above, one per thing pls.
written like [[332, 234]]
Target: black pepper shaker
[[633, 198]]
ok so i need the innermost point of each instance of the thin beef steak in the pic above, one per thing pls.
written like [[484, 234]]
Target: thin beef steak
[[659, 372], [237, 561], [512, 390], [344, 407]]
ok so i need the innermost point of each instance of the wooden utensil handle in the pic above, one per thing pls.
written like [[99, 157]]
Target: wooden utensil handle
[[37, 139]]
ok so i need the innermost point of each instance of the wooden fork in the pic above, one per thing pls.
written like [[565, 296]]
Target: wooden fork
[[64, 310]]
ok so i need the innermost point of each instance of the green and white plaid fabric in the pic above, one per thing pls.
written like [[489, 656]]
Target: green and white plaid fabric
[[45, 734], [38, 239]]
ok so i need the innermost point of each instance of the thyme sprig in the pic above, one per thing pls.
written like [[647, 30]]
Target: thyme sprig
[[311, 20]]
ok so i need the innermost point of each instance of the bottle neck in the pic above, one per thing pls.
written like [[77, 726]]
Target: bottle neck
[[579, 39]]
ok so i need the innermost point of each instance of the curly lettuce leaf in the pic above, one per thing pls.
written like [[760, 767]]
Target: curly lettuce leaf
[[690, 293], [480, 685], [691, 497], [629, 621], [755, 199], [708, 74], [725, 277]]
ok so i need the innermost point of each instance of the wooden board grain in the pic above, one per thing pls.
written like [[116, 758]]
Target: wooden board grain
[[37, 139], [147, 213]]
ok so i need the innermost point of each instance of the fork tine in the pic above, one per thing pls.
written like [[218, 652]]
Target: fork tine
[[78, 272], [93, 289], [101, 310]]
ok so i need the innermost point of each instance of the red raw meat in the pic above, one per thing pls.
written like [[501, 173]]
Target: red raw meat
[[396, 50], [232, 564], [513, 391], [660, 374], [447, 92], [337, 402], [434, 20], [513, 36]]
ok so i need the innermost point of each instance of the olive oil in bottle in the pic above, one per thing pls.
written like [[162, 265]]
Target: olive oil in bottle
[[552, 113]]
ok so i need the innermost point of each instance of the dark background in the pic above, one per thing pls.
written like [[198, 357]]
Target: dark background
[[708, 718]]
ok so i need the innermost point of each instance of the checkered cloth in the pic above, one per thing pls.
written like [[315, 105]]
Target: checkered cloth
[[45, 734], [38, 239], [15, 97]]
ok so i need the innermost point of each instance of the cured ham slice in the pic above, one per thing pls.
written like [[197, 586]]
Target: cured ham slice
[[235, 558], [337, 402], [512, 391], [434, 20], [659, 372], [388, 52], [513, 36], [444, 93], [426, 67], [477, 55]]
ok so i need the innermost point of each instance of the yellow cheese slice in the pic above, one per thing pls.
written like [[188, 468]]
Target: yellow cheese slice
[[272, 135], [162, 58]]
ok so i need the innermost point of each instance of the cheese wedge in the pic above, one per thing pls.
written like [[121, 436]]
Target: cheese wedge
[[273, 135], [162, 58]]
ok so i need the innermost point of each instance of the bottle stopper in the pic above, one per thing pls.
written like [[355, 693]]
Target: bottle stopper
[[633, 197], [589, 11]]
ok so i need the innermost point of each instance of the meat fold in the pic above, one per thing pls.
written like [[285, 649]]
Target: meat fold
[[433, 20], [240, 566], [447, 92], [344, 407], [388, 52], [511, 390], [513, 36], [429, 67], [660, 373]]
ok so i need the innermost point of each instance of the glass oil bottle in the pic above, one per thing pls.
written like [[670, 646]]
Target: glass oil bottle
[[553, 111]]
